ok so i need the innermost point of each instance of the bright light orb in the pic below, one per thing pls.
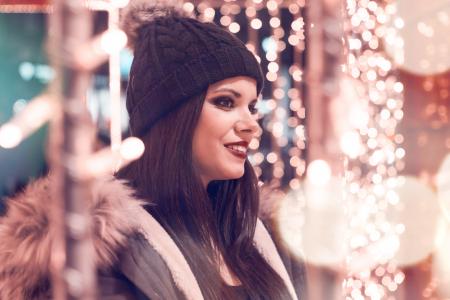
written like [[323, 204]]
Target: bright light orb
[[350, 143], [112, 41], [234, 27], [312, 223], [318, 172], [417, 37], [256, 24], [418, 210], [188, 7], [10, 136], [132, 148], [209, 13]]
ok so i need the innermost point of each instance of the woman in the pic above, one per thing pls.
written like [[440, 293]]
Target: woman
[[191, 98]]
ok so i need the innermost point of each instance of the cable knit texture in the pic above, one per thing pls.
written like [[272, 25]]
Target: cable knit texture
[[175, 58]]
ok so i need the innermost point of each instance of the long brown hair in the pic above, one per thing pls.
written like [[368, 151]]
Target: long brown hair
[[202, 222]]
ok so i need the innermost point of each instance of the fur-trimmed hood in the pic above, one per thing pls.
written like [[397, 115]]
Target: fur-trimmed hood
[[26, 239], [26, 236]]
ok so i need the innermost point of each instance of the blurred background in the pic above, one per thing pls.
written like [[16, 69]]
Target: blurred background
[[354, 155]]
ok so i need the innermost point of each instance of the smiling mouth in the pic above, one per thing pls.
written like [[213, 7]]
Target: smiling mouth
[[238, 149]]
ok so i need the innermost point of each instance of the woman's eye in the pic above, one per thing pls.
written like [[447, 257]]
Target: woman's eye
[[224, 102]]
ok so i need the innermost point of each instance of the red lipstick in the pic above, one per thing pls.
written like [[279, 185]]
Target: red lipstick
[[238, 149]]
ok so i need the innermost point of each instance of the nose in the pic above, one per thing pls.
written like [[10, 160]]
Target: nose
[[247, 124]]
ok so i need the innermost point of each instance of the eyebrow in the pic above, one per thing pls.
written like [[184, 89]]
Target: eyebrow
[[235, 93]]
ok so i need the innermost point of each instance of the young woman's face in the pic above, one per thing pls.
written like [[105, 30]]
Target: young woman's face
[[226, 126]]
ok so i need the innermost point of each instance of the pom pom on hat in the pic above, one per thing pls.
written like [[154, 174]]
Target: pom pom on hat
[[139, 13]]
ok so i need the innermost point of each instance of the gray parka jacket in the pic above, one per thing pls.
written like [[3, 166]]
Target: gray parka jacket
[[135, 256]]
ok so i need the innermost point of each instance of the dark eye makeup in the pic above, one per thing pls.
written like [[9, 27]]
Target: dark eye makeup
[[223, 102], [227, 103]]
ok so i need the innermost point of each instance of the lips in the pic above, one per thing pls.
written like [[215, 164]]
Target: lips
[[238, 149]]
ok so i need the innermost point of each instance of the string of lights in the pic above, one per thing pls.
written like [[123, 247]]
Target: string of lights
[[374, 155], [274, 75], [254, 24], [298, 113]]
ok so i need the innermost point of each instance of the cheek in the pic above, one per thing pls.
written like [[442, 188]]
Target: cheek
[[205, 136], [210, 134], [213, 126]]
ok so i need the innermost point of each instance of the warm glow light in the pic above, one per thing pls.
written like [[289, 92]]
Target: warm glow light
[[10, 136], [256, 24], [359, 118], [298, 24], [418, 210], [318, 172], [108, 161], [254, 144], [275, 22], [272, 157], [234, 27], [209, 13], [188, 7], [132, 148], [311, 222], [225, 20], [258, 158], [271, 56], [297, 75], [250, 12], [419, 24], [351, 144], [112, 41], [273, 67], [293, 40], [271, 76], [272, 5], [38, 111], [354, 44], [399, 23]]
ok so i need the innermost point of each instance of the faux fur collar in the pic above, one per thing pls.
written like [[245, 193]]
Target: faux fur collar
[[25, 236]]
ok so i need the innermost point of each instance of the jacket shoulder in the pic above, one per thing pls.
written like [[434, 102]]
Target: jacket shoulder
[[26, 234], [144, 272]]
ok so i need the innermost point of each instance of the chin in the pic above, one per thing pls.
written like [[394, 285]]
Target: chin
[[235, 174]]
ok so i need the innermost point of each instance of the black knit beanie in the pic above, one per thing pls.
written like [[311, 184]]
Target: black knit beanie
[[175, 58]]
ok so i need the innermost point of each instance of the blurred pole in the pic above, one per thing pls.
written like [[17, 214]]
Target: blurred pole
[[323, 59], [114, 84], [315, 64], [71, 141]]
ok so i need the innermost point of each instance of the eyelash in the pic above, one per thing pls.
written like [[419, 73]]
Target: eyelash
[[228, 103]]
